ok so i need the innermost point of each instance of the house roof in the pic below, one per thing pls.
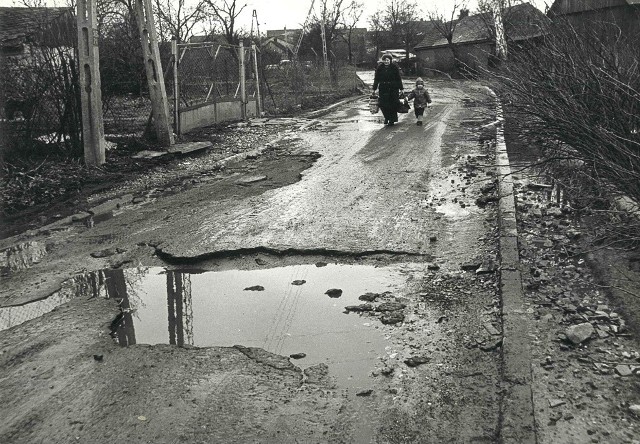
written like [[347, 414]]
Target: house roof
[[521, 22], [564, 7], [283, 45], [16, 24], [209, 38]]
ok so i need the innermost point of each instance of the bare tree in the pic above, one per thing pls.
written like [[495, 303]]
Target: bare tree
[[378, 32], [225, 13], [446, 26], [495, 14], [398, 24], [350, 20], [331, 12], [400, 18], [177, 19]]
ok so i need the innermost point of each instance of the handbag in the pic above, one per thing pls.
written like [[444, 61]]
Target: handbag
[[404, 107], [373, 104]]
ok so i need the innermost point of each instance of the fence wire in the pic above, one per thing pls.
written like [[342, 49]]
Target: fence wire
[[288, 86], [210, 72]]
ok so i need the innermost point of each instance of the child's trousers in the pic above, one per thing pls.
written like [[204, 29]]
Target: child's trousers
[[419, 112]]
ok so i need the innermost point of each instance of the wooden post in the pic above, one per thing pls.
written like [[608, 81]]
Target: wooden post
[[90, 95], [255, 68], [155, 76], [243, 89], [176, 92]]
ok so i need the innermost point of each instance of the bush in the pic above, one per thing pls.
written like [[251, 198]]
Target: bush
[[577, 94]]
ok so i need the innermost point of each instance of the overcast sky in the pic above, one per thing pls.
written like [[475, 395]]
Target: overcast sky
[[276, 14]]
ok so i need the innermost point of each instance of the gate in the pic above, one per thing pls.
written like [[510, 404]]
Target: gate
[[213, 83]]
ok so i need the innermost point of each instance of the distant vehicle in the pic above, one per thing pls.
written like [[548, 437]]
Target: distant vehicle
[[285, 63], [396, 54]]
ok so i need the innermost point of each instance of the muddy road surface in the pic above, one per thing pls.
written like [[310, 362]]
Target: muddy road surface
[[338, 287]]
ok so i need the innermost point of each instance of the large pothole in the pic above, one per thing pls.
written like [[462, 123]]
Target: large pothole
[[296, 311]]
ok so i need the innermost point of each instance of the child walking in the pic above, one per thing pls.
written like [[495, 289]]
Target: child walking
[[421, 99]]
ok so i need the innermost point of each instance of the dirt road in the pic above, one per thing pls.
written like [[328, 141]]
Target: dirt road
[[338, 287]]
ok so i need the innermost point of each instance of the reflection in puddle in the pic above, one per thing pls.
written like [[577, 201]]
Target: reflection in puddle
[[91, 284], [216, 308], [291, 315]]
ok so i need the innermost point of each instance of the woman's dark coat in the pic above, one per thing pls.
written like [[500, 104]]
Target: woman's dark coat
[[387, 78]]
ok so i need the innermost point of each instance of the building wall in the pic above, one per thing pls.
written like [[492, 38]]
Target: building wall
[[439, 59], [474, 56], [572, 6], [627, 17]]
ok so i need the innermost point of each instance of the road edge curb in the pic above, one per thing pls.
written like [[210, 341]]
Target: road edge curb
[[517, 416]]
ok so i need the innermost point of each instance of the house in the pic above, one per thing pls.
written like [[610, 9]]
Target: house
[[25, 28], [35, 45], [278, 46], [288, 35], [583, 13], [473, 39]]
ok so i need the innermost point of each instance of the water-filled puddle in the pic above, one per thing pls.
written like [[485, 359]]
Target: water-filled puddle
[[283, 310]]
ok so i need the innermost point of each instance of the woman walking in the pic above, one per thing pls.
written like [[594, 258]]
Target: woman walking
[[388, 79]]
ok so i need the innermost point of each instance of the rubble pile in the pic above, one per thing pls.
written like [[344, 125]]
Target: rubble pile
[[585, 362]]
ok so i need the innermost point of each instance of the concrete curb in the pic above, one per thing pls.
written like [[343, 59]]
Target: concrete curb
[[517, 424]]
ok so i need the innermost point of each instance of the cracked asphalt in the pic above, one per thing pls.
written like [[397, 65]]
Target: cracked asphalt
[[341, 190]]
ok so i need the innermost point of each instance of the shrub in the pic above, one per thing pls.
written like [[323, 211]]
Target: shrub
[[577, 93]]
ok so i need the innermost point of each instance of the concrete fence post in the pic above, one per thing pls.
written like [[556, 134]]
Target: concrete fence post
[[90, 94], [176, 92], [243, 89], [255, 68], [155, 76]]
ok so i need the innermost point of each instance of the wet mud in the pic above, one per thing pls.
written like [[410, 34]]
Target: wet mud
[[264, 337]]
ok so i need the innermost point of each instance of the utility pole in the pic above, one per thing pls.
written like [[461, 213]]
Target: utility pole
[[304, 28], [90, 95], [155, 76], [254, 19]]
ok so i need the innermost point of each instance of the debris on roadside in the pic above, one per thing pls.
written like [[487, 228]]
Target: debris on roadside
[[415, 361], [255, 288], [298, 355], [582, 343]]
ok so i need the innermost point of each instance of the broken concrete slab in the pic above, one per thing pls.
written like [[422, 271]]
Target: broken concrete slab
[[188, 147], [147, 154], [107, 208]]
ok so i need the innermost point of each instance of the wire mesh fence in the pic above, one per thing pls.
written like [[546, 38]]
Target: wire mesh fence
[[40, 91], [288, 87], [210, 72]]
